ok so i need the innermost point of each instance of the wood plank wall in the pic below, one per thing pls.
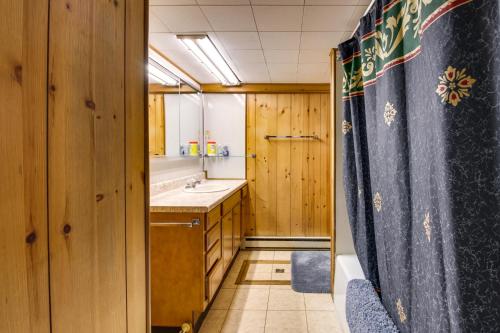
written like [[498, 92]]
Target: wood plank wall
[[156, 112], [289, 179], [73, 194], [24, 290]]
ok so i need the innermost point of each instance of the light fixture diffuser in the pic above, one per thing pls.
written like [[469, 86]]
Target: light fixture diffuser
[[205, 51], [159, 74]]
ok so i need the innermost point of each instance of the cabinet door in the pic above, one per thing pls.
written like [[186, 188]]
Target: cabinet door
[[227, 239], [236, 228]]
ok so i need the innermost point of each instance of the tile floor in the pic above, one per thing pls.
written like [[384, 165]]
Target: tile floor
[[268, 308]]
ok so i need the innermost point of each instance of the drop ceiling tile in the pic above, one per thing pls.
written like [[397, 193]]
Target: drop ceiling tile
[[314, 56], [224, 2], [254, 73], [358, 13], [239, 40], [313, 78], [278, 18], [165, 41], [317, 68], [327, 18], [155, 25], [283, 77], [320, 40], [280, 40], [282, 69], [182, 18], [246, 56], [171, 2], [185, 60], [230, 18], [277, 2], [281, 56]]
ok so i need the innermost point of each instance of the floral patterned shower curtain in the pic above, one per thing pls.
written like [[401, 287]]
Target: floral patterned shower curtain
[[422, 160]]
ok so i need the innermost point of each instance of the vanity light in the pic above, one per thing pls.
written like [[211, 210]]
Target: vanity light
[[174, 72], [156, 73], [206, 52]]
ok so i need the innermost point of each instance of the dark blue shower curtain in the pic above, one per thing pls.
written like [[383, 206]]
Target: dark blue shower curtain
[[422, 160]]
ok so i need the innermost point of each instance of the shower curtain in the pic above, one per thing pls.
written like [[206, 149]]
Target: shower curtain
[[421, 142]]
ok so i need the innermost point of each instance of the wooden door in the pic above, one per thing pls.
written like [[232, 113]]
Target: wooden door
[[289, 180], [227, 239], [236, 228]]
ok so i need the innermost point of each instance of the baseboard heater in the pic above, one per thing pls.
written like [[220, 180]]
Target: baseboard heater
[[287, 242]]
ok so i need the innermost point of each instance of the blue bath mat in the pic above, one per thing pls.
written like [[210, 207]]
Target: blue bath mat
[[311, 271]]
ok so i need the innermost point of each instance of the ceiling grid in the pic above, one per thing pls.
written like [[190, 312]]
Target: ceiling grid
[[264, 41]]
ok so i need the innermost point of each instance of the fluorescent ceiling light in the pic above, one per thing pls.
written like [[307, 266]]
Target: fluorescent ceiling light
[[206, 52], [160, 75], [155, 57]]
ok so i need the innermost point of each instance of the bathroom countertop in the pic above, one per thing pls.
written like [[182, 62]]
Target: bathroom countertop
[[178, 201]]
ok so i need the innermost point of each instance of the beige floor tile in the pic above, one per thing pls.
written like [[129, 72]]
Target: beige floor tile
[[286, 275], [261, 255], [282, 287], [258, 276], [250, 299], [213, 321], [286, 319], [230, 281], [283, 299], [282, 255], [322, 322], [285, 330], [223, 299], [260, 268], [322, 302], [248, 321]]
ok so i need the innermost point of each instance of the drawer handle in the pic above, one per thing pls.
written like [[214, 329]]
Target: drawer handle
[[191, 224]]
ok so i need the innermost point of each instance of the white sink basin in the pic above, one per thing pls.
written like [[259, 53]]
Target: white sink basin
[[207, 188]]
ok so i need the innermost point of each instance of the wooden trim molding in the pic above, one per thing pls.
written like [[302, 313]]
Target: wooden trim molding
[[333, 160], [266, 88], [155, 88]]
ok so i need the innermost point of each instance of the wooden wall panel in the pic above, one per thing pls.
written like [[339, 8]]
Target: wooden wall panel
[[299, 170], [24, 290], [156, 119], [314, 221], [265, 170], [137, 186], [250, 165], [292, 177], [88, 166], [325, 186], [283, 166]]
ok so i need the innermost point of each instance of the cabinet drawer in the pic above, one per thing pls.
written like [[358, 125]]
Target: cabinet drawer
[[213, 255], [244, 191], [230, 203], [214, 279], [212, 236], [213, 217]]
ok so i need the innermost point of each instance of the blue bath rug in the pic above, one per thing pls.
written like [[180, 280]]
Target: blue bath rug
[[311, 271]]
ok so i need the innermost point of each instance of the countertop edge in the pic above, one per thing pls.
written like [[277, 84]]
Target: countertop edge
[[196, 209]]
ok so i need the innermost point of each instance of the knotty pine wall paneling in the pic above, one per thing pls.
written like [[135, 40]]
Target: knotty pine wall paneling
[[24, 277], [289, 180]]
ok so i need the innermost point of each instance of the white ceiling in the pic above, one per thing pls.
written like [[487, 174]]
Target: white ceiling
[[264, 41]]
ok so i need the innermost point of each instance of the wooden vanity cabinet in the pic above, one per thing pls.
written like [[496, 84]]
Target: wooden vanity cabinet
[[189, 260]]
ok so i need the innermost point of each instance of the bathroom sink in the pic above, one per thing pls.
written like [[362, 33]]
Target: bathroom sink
[[207, 188]]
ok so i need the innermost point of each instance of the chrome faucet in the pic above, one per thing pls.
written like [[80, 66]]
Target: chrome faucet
[[192, 183]]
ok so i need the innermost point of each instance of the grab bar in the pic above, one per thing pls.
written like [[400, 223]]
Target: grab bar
[[314, 137], [191, 224]]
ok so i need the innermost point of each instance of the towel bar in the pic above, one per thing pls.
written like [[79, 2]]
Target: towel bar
[[191, 224], [314, 137]]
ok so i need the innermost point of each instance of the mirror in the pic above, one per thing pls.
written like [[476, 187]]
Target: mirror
[[175, 123]]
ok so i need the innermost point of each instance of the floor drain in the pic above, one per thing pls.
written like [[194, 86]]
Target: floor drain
[[280, 270]]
